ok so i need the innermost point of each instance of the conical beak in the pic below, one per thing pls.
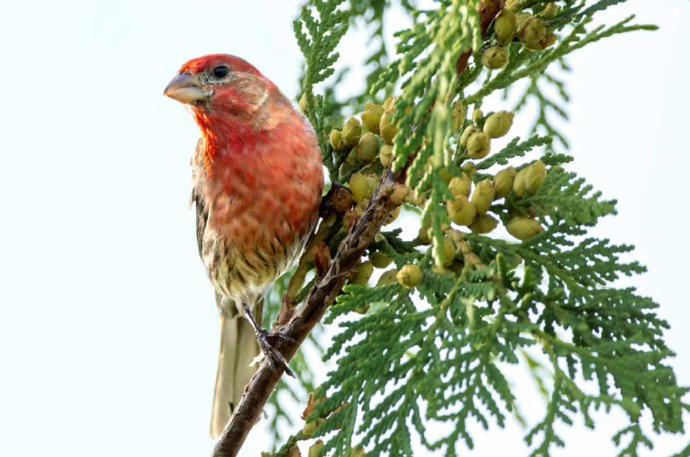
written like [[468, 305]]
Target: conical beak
[[185, 88]]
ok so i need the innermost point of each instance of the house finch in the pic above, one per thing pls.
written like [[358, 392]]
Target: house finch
[[257, 178]]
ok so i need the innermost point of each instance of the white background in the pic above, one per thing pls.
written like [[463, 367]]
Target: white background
[[107, 326]]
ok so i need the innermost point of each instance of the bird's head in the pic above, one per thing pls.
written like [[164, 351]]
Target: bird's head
[[220, 85]]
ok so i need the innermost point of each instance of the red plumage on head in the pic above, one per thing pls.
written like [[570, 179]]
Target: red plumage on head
[[207, 62], [236, 107]]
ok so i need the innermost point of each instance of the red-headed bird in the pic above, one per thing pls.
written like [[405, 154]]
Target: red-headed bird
[[257, 183]]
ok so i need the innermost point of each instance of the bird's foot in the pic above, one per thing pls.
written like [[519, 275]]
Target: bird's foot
[[267, 341]]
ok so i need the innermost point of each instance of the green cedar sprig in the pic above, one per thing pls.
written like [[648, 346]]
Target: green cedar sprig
[[318, 30], [440, 352]]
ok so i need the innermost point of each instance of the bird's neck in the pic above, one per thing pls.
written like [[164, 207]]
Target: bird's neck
[[228, 137], [235, 137]]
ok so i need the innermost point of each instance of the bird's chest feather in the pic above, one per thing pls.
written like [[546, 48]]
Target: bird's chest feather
[[269, 187], [262, 197]]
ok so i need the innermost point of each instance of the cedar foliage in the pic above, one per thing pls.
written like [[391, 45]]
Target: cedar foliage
[[405, 358]]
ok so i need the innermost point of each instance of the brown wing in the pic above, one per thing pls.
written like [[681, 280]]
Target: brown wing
[[198, 177], [201, 217]]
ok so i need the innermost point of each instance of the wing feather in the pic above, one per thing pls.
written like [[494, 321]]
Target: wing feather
[[201, 218]]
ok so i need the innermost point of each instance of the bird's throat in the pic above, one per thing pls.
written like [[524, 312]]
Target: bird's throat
[[226, 137]]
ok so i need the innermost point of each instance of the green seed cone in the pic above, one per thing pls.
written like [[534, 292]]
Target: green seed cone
[[483, 224], [360, 187], [315, 449], [367, 147], [351, 158], [388, 277], [363, 273], [513, 5], [534, 177], [469, 168], [445, 175], [362, 309], [477, 115], [309, 429], [371, 117], [358, 452], [478, 145], [495, 57], [303, 105], [386, 155], [398, 193], [532, 32], [521, 18], [547, 41], [423, 235], [380, 259], [505, 27], [469, 130], [415, 199], [449, 250], [460, 185], [483, 195], [457, 115], [520, 182], [549, 11], [524, 228], [410, 276], [352, 130], [336, 140], [503, 182], [387, 129], [461, 210], [498, 124]]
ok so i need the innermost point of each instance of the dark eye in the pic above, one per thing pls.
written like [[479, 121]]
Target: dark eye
[[221, 71]]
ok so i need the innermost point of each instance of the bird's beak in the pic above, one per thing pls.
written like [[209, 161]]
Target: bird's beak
[[185, 88]]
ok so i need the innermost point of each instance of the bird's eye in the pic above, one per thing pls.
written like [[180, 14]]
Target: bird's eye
[[221, 71]]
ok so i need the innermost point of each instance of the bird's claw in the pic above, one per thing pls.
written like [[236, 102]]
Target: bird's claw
[[275, 358]]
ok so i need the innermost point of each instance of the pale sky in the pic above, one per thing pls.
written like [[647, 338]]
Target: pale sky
[[108, 332]]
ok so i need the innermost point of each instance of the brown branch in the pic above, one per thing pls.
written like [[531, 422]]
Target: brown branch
[[320, 298]]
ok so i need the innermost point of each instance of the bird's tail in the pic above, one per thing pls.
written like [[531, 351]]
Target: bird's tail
[[238, 347]]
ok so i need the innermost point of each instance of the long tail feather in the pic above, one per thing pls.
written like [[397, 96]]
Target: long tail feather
[[238, 347]]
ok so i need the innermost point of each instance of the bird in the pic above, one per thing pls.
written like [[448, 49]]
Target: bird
[[257, 179]]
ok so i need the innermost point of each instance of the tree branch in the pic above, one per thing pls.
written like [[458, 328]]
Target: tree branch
[[320, 298]]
